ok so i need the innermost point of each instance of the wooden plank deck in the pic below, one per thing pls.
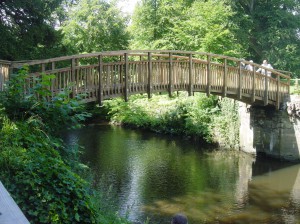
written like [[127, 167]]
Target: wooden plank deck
[[10, 213]]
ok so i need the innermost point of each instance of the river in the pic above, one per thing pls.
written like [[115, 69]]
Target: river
[[155, 176]]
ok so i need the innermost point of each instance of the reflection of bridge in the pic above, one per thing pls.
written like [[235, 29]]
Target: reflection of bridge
[[121, 73]]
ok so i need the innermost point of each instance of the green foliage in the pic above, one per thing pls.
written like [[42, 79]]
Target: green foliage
[[226, 124], [27, 29], [40, 182], [36, 167], [184, 25], [94, 26], [22, 103], [189, 116], [270, 30]]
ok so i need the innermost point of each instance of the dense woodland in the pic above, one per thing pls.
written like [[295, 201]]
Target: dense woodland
[[257, 30]]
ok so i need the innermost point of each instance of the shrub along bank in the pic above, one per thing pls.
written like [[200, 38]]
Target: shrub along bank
[[212, 119], [35, 165]]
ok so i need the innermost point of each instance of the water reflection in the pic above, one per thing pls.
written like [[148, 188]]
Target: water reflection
[[157, 176]]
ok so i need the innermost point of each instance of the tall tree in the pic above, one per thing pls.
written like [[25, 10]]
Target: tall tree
[[26, 29], [195, 25], [95, 25], [269, 29]]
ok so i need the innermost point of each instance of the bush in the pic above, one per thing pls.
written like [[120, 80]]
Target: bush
[[40, 182], [38, 177], [190, 116]]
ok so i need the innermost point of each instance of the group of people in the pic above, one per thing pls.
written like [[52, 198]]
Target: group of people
[[265, 64]]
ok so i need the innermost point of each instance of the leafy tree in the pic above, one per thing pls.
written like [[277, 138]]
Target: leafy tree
[[27, 30], [270, 29], [184, 25], [95, 25]]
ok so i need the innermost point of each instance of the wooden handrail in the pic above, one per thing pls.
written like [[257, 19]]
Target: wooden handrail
[[119, 73]]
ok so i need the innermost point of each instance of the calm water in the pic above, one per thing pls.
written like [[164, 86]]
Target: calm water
[[157, 176]]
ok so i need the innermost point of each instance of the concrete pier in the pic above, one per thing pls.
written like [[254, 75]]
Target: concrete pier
[[273, 132]]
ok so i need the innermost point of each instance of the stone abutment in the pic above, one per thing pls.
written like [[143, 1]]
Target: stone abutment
[[273, 132]]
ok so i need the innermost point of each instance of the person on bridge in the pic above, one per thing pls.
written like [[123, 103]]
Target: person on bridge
[[249, 67], [264, 71], [179, 219]]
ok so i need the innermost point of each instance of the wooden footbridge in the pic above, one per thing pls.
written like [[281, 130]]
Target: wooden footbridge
[[105, 75]]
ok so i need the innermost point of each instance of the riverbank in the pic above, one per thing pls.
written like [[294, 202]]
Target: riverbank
[[43, 174], [210, 119]]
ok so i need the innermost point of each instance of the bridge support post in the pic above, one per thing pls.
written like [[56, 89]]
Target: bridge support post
[[100, 69], [240, 81], [253, 84], [277, 93], [266, 95], [208, 87], [126, 88], [170, 75], [73, 71], [149, 87], [191, 87], [225, 78]]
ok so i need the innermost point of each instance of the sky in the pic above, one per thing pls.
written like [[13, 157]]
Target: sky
[[127, 6]]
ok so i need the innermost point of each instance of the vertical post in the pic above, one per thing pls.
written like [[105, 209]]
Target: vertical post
[[170, 75], [240, 81], [253, 84], [225, 78], [73, 71], [277, 92], [43, 67], [126, 77], [53, 82], [190, 75], [208, 78], [149, 89], [266, 95], [100, 69]]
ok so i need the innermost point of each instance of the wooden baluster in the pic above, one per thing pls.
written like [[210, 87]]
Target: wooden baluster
[[126, 77], [73, 71], [53, 81], [225, 78], [277, 92], [191, 86], [100, 87], [170, 75], [208, 76], [253, 84], [266, 95], [149, 89], [240, 81]]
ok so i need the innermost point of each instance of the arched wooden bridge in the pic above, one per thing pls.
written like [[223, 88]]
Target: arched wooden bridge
[[104, 75]]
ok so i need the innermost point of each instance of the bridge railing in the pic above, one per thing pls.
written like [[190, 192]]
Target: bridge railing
[[4, 73], [104, 75]]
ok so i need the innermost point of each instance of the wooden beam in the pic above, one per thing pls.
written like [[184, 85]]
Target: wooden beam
[[73, 72], [100, 87], [208, 74], [277, 93], [149, 89], [225, 78], [253, 85], [170, 75], [240, 87], [191, 86], [126, 77], [266, 94]]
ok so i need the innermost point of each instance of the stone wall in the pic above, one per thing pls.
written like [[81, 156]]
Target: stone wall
[[273, 132]]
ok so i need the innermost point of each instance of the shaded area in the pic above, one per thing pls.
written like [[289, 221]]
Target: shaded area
[[157, 176]]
